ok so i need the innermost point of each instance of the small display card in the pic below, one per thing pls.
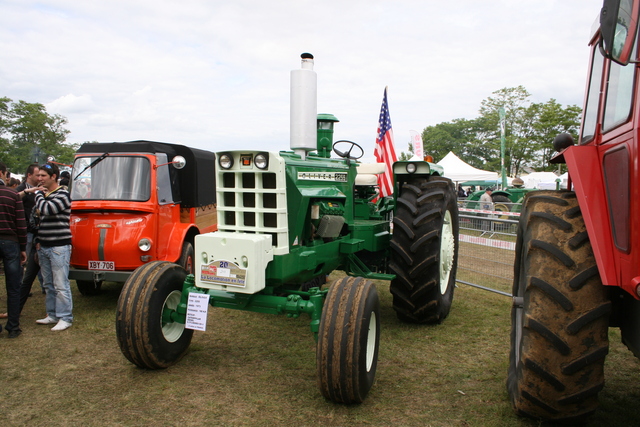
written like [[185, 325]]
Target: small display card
[[197, 309]]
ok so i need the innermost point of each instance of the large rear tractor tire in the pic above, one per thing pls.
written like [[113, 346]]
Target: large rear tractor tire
[[560, 315], [348, 340], [146, 334], [424, 250]]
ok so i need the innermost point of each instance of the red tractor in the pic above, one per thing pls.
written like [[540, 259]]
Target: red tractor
[[577, 269]]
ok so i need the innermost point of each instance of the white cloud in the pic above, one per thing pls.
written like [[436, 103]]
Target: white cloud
[[69, 104], [216, 74]]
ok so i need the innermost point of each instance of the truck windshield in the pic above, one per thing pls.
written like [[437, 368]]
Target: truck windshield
[[112, 178]]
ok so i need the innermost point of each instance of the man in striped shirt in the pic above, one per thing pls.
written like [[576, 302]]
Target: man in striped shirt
[[54, 246], [13, 242]]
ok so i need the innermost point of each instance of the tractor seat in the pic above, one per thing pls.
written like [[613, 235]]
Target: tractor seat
[[368, 173]]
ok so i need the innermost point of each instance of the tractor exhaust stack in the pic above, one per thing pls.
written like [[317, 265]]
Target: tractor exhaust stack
[[304, 107]]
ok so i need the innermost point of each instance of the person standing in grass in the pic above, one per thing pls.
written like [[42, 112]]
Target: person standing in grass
[[53, 244], [13, 242], [33, 268]]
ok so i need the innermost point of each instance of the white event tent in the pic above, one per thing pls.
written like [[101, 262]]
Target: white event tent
[[540, 180], [458, 171]]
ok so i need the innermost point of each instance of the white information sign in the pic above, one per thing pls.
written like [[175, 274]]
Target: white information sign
[[197, 309]]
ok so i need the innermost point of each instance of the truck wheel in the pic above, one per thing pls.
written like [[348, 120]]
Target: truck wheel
[[348, 340], [559, 319], [89, 287], [424, 250], [186, 257], [145, 332]]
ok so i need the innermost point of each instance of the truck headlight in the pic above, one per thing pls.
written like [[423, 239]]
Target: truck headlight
[[225, 161], [411, 167], [144, 245], [261, 160]]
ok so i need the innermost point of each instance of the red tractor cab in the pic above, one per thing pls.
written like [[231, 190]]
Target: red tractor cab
[[577, 269]]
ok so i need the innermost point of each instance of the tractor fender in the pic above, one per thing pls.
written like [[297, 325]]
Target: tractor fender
[[585, 170]]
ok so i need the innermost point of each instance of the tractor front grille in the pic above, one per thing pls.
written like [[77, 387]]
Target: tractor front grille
[[251, 200]]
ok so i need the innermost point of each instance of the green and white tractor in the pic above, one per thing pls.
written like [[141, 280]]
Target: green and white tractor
[[285, 221]]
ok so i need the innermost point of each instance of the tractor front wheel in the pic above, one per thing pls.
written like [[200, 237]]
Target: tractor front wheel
[[560, 314], [146, 333], [348, 340]]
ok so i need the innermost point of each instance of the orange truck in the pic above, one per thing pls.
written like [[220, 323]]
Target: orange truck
[[137, 202]]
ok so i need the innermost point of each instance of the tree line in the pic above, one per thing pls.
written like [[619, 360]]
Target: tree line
[[28, 134], [529, 132]]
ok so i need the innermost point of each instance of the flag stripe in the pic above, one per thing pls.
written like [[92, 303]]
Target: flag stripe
[[385, 151]]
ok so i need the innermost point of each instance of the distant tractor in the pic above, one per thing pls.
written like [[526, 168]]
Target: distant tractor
[[577, 268], [285, 221], [505, 200]]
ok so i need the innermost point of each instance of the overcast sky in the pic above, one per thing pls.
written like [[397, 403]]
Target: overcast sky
[[214, 74]]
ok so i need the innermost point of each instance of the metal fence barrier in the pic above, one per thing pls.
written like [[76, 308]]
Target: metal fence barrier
[[487, 246]]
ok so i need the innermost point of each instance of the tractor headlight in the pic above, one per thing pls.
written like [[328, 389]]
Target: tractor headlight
[[144, 245], [225, 161], [261, 160], [411, 168]]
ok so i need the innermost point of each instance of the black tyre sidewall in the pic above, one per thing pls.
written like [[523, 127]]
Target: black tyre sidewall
[[88, 288], [187, 251], [447, 297], [371, 305], [519, 286], [171, 280]]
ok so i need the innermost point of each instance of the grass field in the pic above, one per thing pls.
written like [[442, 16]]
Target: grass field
[[259, 370]]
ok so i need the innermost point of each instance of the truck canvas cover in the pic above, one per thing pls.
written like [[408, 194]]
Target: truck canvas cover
[[196, 181]]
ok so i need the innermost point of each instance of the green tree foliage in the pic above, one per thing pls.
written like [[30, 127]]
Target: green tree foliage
[[29, 134], [406, 155], [529, 132], [457, 136]]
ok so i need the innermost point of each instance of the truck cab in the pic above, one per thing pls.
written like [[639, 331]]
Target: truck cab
[[136, 202]]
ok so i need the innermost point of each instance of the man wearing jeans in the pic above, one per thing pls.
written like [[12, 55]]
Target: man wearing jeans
[[33, 268], [53, 243], [13, 241]]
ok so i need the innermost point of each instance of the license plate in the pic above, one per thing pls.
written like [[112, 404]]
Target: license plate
[[102, 265]]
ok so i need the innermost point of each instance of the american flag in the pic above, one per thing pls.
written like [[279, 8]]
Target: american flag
[[385, 151]]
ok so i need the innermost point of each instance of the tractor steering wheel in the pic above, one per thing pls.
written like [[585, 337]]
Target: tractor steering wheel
[[347, 154]]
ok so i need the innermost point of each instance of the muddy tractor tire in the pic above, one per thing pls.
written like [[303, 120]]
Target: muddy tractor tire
[[146, 334], [424, 250], [560, 315], [89, 287], [348, 340]]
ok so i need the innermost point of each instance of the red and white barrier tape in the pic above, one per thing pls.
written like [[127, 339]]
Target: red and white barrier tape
[[483, 241], [500, 213]]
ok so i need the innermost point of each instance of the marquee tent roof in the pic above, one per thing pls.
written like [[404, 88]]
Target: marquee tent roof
[[459, 171], [540, 180]]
